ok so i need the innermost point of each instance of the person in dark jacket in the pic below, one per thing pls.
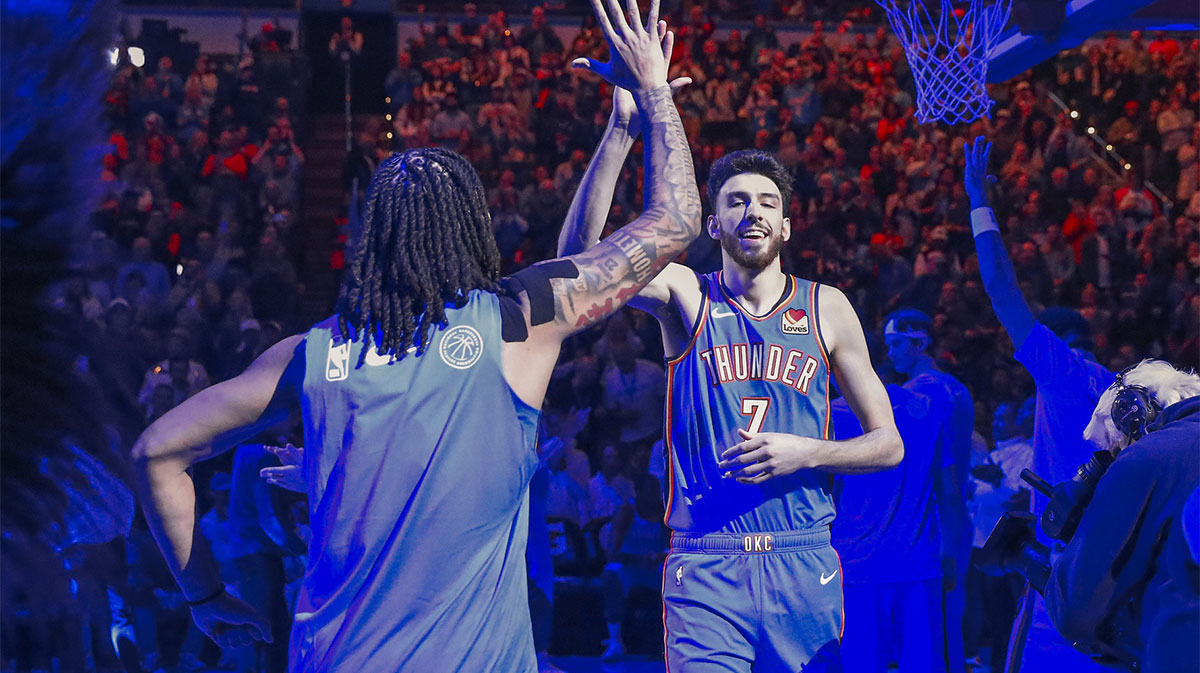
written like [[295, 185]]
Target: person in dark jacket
[[1113, 571]]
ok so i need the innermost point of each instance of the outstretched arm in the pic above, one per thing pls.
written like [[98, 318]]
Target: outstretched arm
[[203, 426], [590, 207], [593, 199], [995, 266], [613, 271]]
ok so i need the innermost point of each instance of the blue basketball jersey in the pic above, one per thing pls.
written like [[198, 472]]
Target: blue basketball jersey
[[417, 473], [763, 374]]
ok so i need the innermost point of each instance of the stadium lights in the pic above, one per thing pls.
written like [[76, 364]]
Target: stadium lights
[[137, 56], [1074, 114], [1091, 130]]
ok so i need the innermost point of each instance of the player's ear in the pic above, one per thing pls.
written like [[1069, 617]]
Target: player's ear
[[714, 227], [787, 229]]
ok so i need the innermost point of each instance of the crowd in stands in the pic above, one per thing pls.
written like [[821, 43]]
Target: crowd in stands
[[194, 246], [191, 274]]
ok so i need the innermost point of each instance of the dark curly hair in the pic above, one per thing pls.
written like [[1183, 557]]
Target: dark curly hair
[[749, 161], [426, 241]]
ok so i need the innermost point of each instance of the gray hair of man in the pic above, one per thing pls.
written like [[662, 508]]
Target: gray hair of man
[[1166, 384]]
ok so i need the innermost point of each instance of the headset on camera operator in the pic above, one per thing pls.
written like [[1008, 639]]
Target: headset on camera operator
[[1112, 572]]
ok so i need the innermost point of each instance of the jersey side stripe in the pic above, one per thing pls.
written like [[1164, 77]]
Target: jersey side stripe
[[699, 327], [667, 448], [816, 310]]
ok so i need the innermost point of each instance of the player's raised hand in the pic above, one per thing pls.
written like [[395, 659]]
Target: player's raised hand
[[288, 475], [766, 455], [625, 112], [975, 175], [635, 52]]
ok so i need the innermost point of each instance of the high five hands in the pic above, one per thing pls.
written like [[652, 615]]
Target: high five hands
[[636, 52], [625, 112]]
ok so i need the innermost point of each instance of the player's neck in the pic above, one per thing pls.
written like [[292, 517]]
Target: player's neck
[[757, 290], [924, 363]]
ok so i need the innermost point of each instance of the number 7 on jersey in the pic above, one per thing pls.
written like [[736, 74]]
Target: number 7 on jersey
[[756, 409]]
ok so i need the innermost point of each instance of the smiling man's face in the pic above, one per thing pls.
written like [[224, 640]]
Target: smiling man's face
[[749, 220]]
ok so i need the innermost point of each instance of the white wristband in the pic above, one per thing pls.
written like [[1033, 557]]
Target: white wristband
[[983, 220]]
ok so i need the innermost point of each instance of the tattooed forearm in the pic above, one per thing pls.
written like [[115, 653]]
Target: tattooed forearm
[[617, 268], [670, 177], [635, 253]]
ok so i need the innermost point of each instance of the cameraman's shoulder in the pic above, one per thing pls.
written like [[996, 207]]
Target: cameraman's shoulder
[[1155, 454]]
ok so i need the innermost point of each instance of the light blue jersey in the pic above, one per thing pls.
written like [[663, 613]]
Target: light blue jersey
[[417, 471], [763, 374]]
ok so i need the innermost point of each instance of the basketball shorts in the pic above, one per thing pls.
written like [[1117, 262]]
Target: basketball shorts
[[767, 602]]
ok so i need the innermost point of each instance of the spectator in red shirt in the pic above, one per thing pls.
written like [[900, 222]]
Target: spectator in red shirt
[[1078, 227], [227, 156], [1164, 45], [156, 142]]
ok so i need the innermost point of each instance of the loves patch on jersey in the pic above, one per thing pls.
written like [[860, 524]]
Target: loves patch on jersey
[[795, 321]]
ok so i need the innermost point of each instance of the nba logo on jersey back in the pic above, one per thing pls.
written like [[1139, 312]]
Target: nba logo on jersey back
[[337, 365], [795, 321]]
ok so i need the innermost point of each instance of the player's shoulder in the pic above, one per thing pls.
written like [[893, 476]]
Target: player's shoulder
[[828, 296], [683, 279], [834, 310]]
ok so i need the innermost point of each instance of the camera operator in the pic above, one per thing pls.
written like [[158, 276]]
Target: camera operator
[[1111, 570]]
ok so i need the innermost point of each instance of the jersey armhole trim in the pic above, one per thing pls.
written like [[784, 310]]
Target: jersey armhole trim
[[668, 451], [815, 292], [696, 328]]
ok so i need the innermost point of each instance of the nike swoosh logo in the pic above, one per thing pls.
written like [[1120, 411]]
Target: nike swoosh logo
[[374, 359], [827, 580], [716, 313]]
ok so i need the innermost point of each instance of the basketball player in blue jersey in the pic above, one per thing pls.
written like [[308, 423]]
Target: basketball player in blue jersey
[[907, 334], [420, 399], [751, 582]]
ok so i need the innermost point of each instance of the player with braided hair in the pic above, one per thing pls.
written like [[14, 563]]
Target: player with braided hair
[[420, 401], [404, 242]]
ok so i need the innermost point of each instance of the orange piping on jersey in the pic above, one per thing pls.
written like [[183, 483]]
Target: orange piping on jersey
[[779, 307], [668, 449], [812, 302], [700, 322]]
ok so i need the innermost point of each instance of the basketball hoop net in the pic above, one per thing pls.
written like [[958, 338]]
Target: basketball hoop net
[[948, 53]]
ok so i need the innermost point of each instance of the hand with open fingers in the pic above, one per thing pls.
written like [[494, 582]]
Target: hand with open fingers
[[288, 475], [625, 112], [766, 455], [635, 51], [231, 622], [975, 175]]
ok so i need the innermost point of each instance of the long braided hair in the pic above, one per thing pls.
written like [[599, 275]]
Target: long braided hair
[[426, 241]]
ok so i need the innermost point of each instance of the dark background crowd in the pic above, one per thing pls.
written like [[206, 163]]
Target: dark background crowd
[[197, 266]]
